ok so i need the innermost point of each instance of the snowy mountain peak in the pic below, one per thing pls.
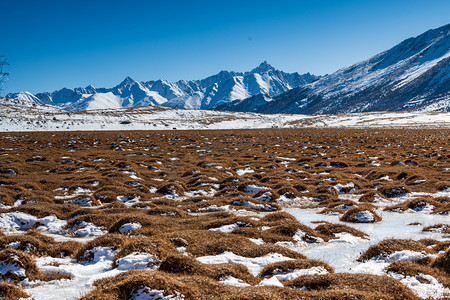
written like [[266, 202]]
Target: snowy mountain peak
[[413, 75], [215, 90], [263, 68], [27, 97], [126, 81]]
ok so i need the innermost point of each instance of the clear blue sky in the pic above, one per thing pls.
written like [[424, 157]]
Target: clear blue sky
[[71, 43]]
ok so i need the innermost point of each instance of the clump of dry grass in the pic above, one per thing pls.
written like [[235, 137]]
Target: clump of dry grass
[[389, 246], [417, 204], [206, 242], [368, 197], [253, 204], [11, 292], [330, 230], [443, 262], [182, 264], [166, 210], [441, 228], [241, 221], [393, 191], [24, 243], [290, 229], [42, 210], [336, 206], [171, 189], [158, 247], [291, 265], [114, 241], [19, 260], [412, 269], [362, 213], [383, 286]]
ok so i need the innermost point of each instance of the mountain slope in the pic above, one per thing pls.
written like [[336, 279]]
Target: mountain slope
[[414, 75], [197, 94]]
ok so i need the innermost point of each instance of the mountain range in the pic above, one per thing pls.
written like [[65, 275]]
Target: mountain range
[[412, 76], [197, 94]]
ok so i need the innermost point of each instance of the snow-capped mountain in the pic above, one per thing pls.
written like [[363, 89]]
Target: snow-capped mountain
[[27, 97], [197, 94], [414, 75]]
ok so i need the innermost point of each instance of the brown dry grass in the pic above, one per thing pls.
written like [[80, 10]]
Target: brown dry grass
[[385, 287], [415, 204], [11, 292], [19, 259], [408, 268], [291, 265], [353, 215], [114, 241], [329, 230], [389, 246], [443, 262], [441, 228], [339, 286], [158, 247], [205, 163]]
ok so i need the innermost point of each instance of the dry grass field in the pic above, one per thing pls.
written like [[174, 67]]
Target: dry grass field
[[203, 214]]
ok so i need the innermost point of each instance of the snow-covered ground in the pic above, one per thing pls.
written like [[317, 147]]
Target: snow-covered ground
[[16, 115]]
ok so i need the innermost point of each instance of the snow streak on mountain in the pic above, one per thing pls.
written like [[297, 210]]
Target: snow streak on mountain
[[412, 76], [198, 94]]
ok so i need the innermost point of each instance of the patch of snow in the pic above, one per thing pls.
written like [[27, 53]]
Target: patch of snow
[[272, 281], [226, 228], [139, 261], [424, 286], [253, 264], [230, 280], [147, 293], [129, 227]]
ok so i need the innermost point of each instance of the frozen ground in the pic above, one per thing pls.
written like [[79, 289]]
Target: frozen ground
[[18, 115], [341, 254], [263, 174]]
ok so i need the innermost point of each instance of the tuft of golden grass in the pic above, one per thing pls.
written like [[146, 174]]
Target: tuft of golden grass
[[408, 268], [11, 292], [389, 246], [384, 287], [291, 265], [442, 262], [352, 214], [115, 241]]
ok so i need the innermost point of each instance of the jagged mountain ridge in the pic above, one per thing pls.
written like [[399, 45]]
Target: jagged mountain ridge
[[197, 94], [413, 75]]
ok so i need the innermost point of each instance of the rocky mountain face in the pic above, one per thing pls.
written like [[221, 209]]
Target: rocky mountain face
[[198, 94], [412, 76]]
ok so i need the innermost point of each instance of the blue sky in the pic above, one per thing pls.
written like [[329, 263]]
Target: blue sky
[[68, 43]]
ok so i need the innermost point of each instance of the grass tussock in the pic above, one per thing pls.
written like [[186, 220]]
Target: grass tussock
[[386, 287], [442, 262], [330, 230], [418, 204], [18, 260], [362, 213], [412, 269], [11, 292], [158, 247], [291, 265], [440, 228], [205, 243], [114, 241], [389, 246]]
